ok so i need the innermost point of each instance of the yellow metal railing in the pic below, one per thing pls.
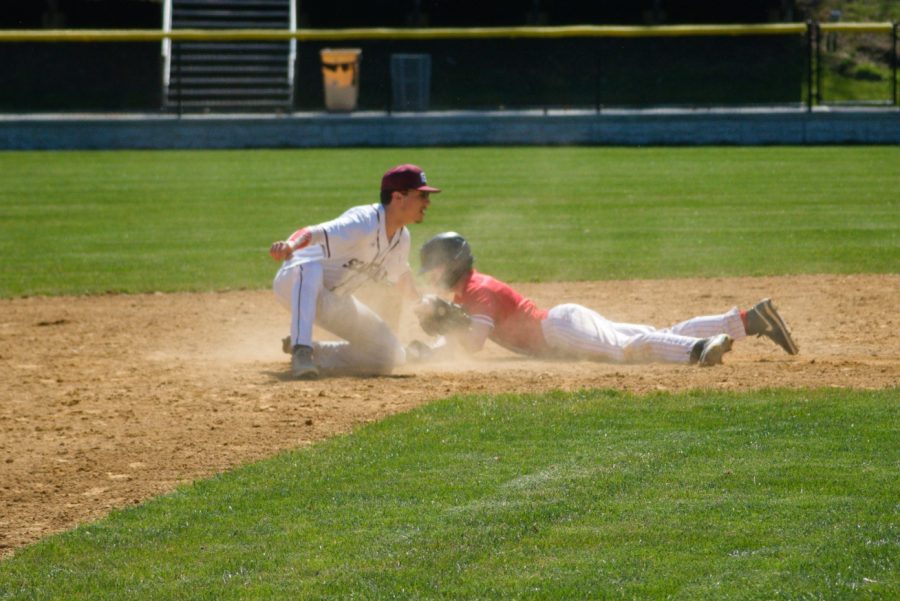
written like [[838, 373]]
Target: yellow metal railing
[[436, 33]]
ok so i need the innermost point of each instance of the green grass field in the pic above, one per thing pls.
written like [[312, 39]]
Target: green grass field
[[591, 495], [774, 494], [93, 222]]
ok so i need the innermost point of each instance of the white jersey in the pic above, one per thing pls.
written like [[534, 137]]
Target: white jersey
[[354, 249]]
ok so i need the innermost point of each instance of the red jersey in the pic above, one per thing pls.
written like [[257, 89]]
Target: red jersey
[[516, 320]]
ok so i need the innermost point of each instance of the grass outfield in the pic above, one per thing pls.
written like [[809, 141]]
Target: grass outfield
[[771, 494], [590, 495], [94, 222]]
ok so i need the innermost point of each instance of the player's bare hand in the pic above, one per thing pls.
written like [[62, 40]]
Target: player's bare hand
[[418, 352], [281, 250]]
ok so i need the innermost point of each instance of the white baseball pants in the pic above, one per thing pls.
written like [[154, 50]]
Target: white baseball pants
[[369, 346], [575, 331]]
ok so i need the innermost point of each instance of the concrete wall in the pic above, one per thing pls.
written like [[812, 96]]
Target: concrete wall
[[307, 130]]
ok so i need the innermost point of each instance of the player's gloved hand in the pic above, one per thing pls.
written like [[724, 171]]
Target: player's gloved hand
[[438, 317]]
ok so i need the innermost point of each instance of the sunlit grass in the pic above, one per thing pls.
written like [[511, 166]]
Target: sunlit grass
[[589, 495], [94, 222]]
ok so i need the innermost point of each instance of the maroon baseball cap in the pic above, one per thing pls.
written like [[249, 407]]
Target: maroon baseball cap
[[406, 177]]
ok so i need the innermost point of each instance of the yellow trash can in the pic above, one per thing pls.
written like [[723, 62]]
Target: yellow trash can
[[340, 75]]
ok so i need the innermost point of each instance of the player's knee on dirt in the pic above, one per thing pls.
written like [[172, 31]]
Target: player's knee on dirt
[[386, 358], [384, 353]]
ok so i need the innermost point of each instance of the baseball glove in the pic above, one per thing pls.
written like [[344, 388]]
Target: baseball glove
[[438, 317]]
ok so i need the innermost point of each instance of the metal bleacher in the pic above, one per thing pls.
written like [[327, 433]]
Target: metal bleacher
[[241, 76]]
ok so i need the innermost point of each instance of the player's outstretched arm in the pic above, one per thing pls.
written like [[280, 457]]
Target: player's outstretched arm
[[446, 348], [473, 339]]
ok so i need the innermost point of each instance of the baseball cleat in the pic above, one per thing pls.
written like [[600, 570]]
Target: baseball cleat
[[286, 345], [302, 366], [764, 320], [714, 348]]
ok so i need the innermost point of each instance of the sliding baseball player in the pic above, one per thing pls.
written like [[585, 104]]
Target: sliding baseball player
[[485, 308]]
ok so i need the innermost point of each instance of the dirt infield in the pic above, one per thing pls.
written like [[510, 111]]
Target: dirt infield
[[107, 401]]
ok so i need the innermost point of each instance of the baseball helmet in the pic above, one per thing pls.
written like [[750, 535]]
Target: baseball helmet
[[448, 250]]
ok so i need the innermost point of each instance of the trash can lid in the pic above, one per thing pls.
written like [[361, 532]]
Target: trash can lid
[[340, 55]]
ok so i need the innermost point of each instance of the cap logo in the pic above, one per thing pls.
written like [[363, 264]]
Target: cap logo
[[423, 177]]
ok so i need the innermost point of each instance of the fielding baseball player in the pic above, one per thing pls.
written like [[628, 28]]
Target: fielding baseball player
[[486, 308], [325, 263]]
